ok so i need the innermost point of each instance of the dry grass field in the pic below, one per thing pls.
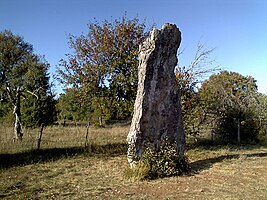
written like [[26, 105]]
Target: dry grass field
[[63, 169]]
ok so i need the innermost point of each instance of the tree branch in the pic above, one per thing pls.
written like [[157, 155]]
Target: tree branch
[[32, 93]]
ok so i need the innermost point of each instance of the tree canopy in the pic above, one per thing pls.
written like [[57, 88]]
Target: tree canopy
[[24, 82], [104, 66], [229, 101]]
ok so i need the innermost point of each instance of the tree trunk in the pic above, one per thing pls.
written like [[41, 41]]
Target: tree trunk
[[238, 130], [100, 121], [40, 136], [17, 113], [64, 122]]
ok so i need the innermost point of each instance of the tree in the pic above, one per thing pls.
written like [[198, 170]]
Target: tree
[[190, 76], [231, 99], [104, 65], [72, 107], [22, 73], [188, 79], [261, 116]]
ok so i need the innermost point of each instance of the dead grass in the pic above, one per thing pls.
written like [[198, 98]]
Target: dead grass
[[60, 137], [223, 172]]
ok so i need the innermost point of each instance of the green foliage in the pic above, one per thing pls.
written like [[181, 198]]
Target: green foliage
[[225, 102], [38, 108], [103, 67], [160, 163], [38, 111], [261, 113], [24, 83], [5, 109], [228, 127], [230, 101], [71, 106], [164, 162], [188, 79], [193, 115]]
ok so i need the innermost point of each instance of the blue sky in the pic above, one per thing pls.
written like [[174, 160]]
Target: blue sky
[[237, 28]]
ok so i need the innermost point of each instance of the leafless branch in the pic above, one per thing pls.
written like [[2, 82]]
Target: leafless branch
[[180, 52], [200, 67], [32, 93]]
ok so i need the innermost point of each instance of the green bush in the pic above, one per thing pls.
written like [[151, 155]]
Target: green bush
[[159, 163]]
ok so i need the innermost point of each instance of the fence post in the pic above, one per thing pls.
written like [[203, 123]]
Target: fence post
[[40, 136], [87, 144]]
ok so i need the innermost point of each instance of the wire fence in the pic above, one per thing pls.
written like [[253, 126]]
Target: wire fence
[[59, 136]]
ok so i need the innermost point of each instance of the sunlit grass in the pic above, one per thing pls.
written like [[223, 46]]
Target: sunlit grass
[[60, 137], [64, 169]]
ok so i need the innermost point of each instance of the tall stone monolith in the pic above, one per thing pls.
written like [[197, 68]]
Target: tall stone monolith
[[157, 110]]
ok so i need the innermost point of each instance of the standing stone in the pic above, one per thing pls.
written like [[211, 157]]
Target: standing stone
[[157, 109]]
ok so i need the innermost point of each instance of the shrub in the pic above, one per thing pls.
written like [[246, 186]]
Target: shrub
[[159, 163]]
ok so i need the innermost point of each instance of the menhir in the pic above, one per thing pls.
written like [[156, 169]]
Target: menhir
[[157, 110]]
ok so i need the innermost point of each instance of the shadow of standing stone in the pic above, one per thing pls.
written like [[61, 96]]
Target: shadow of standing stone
[[157, 110]]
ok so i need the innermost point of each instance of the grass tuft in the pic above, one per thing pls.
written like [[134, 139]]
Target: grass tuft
[[140, 172]]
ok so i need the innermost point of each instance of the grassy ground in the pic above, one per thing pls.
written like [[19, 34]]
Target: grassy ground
[[63, 170]]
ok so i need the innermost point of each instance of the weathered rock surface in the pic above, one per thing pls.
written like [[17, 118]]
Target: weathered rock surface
[[157, 110]]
